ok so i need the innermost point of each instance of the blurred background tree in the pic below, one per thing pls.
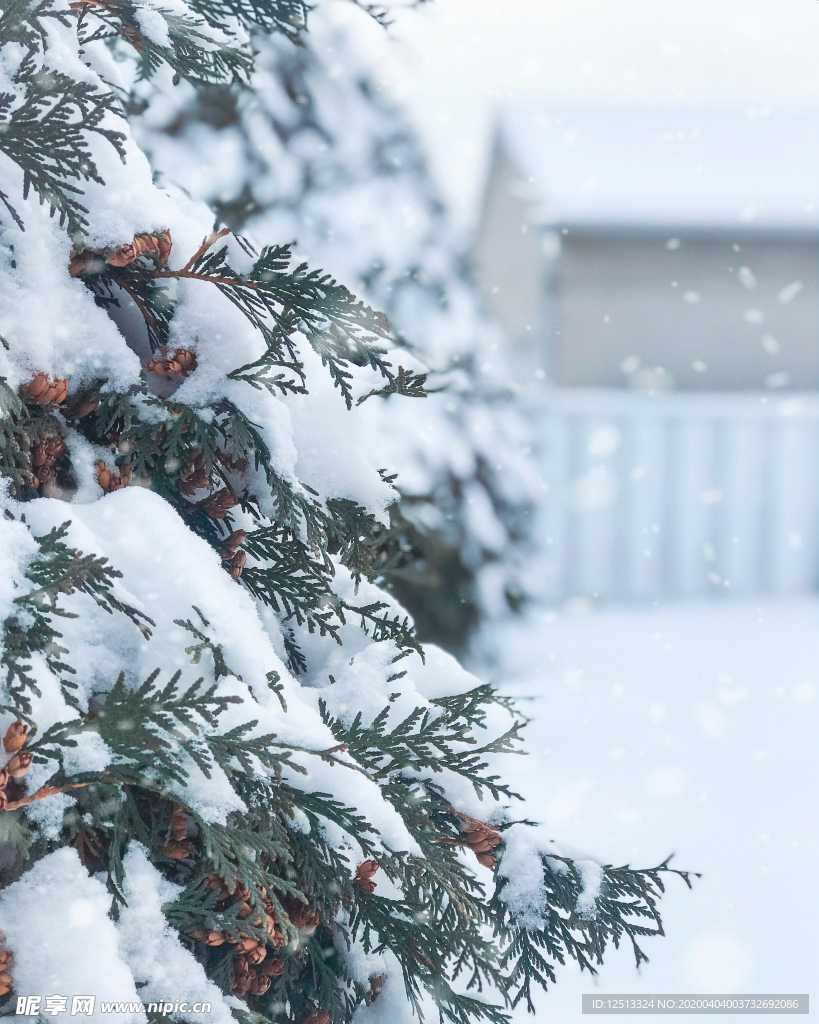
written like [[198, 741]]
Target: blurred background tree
[[320, 151]]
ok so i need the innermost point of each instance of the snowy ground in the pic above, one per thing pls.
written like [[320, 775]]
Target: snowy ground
[[688, 729]]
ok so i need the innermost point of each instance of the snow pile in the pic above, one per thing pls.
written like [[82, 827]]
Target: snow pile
[[521, 866], [694, 732], [55, 918], [152, 949]]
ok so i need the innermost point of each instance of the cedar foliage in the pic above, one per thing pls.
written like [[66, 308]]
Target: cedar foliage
[[267, 903]]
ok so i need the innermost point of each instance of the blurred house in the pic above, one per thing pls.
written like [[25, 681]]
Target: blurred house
[[657, 269]]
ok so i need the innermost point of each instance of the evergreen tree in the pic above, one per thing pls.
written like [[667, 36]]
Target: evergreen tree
[[230, 772]]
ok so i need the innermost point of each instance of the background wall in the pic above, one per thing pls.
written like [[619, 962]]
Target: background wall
[[711, 317]]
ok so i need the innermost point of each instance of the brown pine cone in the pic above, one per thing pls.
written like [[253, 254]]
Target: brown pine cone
[[105, 477], [483, 845], [20, 764], [255, 956], [44, 453], [163, 367], [15, 737], [158, 244], [4, 800], [218, 504], [43, 389], [241, 976], [234, 541], [219, 886], [479, 836], [275, 932], [141, 244], [111, 481], [364, 875], [186, 359], [87, 261], [182, 361], [179, 824], [134, 38], [319, 1017], [303, 918], [236, 564], [194, 476], [175, 850], [259, 984], [6, 956], [39, 385], [487, 859], [210, 938], [4, 778], [83, 407], [163, 246], [272, 967]]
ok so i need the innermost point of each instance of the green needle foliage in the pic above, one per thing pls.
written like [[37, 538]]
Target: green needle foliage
[[46, 127]]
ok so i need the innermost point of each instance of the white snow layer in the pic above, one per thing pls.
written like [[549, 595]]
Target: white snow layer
[[687, 729], [56, 921], [152, 949]]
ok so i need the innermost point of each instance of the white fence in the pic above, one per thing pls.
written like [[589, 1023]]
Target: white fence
[[681, 494]]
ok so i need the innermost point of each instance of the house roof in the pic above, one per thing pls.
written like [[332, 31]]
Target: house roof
[[686, 169]]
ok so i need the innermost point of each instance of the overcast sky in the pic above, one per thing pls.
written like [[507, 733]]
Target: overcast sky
[[456, 60]]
